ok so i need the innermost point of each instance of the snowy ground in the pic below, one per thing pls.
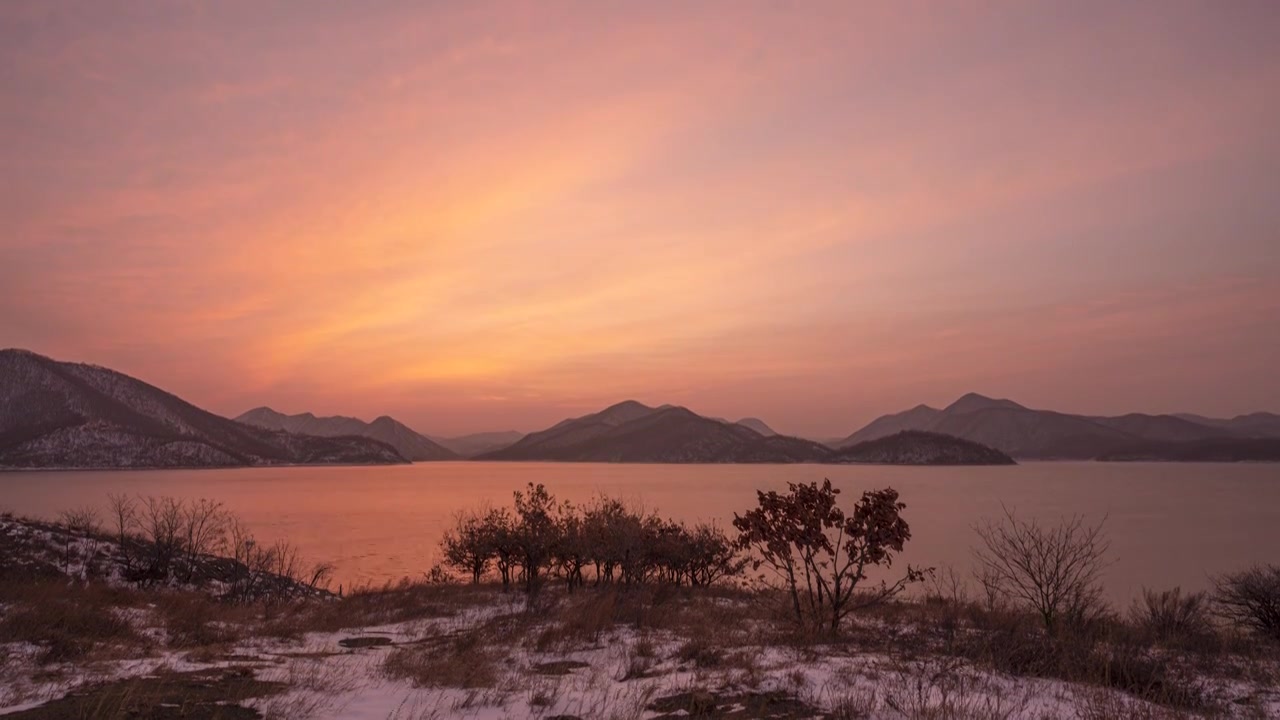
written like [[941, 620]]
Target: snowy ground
[[456, 652], [621, 673]]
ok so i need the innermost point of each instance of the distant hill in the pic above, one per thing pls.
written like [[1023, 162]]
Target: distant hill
[[72, 415], [408, 443], [1162, 428], [917, 417], [1259, 424], [478, 443], [758, 425], [1023, 432], [1231, 449], [916, 447], [633, 432]]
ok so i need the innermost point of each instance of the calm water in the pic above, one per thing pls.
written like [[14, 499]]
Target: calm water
[[1169, 524]]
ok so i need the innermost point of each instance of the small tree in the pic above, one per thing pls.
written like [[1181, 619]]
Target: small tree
[[469, 545], [501, 532], [1251, 599], [820, 554], [571, 550], [535, 532], [1056, 570], [123, 513], [714, 556]]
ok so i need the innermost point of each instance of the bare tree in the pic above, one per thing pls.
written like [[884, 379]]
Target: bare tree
[[1251, 599], [1054, 570], [160, 520], [81, 522], [203, 531], [124, 515]]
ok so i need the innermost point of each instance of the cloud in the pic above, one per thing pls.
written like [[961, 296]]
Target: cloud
[[808, 212]]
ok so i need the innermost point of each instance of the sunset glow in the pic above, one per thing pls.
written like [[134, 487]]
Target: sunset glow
[[490, 216]]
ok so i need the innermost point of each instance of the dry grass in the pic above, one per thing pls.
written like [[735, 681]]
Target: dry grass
[[203, 695], [193, 620], [465, 661], [68, 622], [944, 647], [384, 605]]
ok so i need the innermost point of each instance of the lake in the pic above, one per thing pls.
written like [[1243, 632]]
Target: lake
[[1169, 523]]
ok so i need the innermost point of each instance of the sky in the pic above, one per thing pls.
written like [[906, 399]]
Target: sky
[[494, 215]]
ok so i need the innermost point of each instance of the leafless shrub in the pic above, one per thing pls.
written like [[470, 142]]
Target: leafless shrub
[[81, 521], [946, 585], [438, 574], [1055, 571], [1172, 614], [940, 689], [1104, 704], [1250, 599], [856, 704]]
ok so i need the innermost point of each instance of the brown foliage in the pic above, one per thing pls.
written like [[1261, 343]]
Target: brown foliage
[[820, 554]]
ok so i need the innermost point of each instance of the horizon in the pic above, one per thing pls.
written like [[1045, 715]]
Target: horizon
[[496, 216], [938, 406]]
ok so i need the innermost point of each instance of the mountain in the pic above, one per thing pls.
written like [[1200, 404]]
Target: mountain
[[632, 432], [1023, 432], [73, 415], [973, 402], [304, 424], [386, 429], [758, 425], [572, 431], [1259, 424], [917, 417], [916, 447], [1162, 428], [478, 443], [1032, 433]]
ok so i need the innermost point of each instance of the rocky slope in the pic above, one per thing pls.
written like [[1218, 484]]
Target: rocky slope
[[72, 415]]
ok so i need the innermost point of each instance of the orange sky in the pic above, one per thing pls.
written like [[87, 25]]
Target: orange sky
[[480, 216]]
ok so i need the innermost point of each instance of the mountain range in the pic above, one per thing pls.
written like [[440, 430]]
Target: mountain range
[[408, 443], [478, 443], [632, 432], [1044, 434], [62, 414]]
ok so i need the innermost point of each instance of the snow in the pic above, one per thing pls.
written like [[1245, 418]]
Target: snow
[[330, 681]]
